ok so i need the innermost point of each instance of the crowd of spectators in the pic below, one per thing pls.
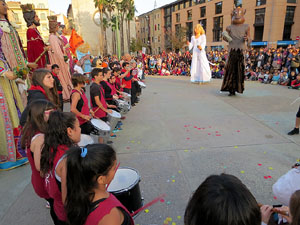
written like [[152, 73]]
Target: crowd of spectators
[[267, 65]]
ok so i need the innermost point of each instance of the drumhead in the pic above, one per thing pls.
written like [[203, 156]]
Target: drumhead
[[100, 124], [115, 114], [142, 84], [85, 140], [125, 179]]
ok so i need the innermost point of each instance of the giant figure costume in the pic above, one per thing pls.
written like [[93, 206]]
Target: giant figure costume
[[237, 34], [35, 43]]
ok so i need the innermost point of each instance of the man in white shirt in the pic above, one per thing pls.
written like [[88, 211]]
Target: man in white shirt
[[77, 67]]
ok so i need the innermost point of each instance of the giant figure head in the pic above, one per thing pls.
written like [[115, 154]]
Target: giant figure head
[[198, 30], [237, 15], [53, 25], [30, 15]]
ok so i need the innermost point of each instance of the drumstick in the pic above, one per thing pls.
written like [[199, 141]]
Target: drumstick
[[116, 171], [276, 210], [40, 56], [148, 205]]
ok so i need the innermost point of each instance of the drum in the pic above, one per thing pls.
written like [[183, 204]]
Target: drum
[[125, 186], [123, 106], [101, 126], [85, 140], [113, 119], [142, 84], [127, 98]]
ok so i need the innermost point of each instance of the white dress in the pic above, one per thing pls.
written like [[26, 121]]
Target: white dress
[[200, 71]]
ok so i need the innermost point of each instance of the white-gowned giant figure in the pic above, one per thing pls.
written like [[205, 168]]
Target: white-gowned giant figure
[[200, 70]]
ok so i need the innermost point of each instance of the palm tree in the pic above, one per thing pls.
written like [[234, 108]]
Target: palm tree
[[106, 25], [129, 17], [101, 6], [113, 24]]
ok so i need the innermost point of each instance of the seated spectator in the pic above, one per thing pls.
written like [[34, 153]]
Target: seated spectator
[[253, 75], [275, 78], [292, 77], [296, 83], [222, 200], [283, 80], [261, 76]]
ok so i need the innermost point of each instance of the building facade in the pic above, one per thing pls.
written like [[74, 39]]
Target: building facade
[[152, 30], [15, 15], [272, 22]]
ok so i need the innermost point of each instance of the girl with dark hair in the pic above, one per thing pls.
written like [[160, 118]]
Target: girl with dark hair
[[43, 87], [33, 140], [90, 170], [222, 200], [63, 132]]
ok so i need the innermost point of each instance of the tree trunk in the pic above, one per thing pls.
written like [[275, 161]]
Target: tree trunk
[[105, 39], [101, 31], [122, 36], [114, 43], [128, 36]]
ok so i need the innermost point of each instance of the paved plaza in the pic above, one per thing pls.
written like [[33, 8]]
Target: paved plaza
[[179, 134]]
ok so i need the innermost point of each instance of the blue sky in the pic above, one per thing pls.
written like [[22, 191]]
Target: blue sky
[[61, 6]]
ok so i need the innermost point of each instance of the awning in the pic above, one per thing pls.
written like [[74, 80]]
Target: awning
[[259, 43], [286, 42]]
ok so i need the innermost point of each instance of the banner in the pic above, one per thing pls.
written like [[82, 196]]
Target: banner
[[75, 41]]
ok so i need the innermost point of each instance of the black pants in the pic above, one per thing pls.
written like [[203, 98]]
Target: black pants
[[54, 217], [127, 90], [133, 91], [61, 101], [298, 113]]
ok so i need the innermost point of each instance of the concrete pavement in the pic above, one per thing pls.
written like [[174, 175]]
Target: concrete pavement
[[179, 134]]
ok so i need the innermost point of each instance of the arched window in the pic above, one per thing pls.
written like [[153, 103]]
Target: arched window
[[43, 16]]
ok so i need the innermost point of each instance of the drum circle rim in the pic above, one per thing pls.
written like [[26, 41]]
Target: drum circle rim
[[131, 186], [97, 127]]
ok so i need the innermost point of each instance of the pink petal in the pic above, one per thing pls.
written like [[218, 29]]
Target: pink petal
[[259, 164]]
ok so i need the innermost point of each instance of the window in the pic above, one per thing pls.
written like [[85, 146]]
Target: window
[[260, 2], [291, 1], [41, 6], [258, 33], [201, 1], [287, 31], [189, 14], [259, 17], [290, 12], [178, 6], [190, 3], [203, 24], [218, 28], [159, 38], [238, 3], [218, 7], [189, 30], [177, 17], [16, 16], [177, 29], [43, 16], [44, 27], [158, 27], [202, 11], [155, 27]]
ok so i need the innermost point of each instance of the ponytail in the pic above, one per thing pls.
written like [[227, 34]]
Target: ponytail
[[55, 136], [83, 171]]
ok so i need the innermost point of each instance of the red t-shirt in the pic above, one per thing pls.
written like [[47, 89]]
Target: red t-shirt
[[125, 82]]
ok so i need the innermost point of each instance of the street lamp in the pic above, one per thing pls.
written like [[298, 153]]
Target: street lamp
[[118, 2]]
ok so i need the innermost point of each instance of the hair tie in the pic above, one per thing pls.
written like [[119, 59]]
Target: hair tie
[[83, 152]]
